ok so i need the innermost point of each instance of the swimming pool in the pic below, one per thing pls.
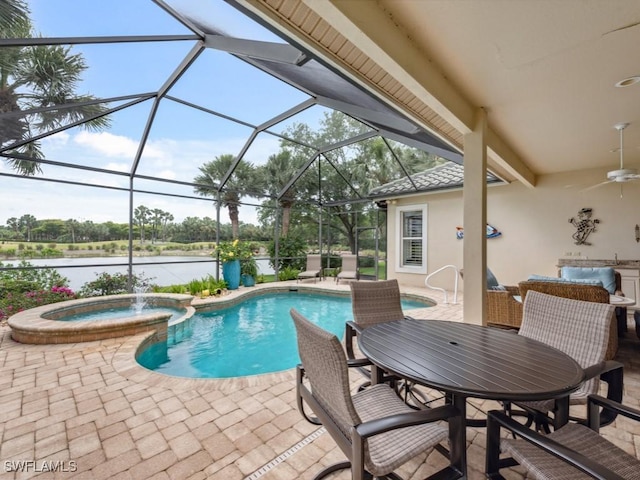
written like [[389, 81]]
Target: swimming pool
[[251, 338]]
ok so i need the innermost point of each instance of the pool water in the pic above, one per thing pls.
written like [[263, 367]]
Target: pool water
[[254, 337], [122, 312]]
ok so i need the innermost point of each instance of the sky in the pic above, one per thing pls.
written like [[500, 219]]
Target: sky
[[181, 138]]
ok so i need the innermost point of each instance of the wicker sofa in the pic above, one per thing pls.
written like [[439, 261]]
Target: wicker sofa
[[507, 312]]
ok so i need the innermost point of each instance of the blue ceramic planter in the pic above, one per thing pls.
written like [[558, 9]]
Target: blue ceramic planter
[[231, 274]]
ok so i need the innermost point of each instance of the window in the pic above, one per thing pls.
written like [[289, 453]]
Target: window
[[412, 245]]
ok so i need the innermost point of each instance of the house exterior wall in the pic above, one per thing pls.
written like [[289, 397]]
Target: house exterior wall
[[535, 227]]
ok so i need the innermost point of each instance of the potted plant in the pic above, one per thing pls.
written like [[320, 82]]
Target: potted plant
[[248, 270], [230, 254]]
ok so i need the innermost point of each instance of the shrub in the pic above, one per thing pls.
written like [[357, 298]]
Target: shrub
[[28, 288], [14, 302], [111, 284], [291, 253], [288, 273]]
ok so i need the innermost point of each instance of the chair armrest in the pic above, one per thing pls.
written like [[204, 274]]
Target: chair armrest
[[409, 419], [497, 419], [353, 325], [358, 362], [612, 373], [351, 329], [503, 308], [513, 289], [601, 368], [595, 401]]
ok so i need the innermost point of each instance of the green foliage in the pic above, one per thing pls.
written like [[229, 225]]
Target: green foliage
[[111, 284], [288, 273], [291, 252], [180, 289], [196, 287], [44, 278], [235, 250], [24, 289], [248, 266]]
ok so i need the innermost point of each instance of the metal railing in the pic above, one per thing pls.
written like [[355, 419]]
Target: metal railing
[[445, 293]]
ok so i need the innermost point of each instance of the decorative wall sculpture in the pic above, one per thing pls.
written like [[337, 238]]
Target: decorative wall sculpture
[[492, 232], [584, 226]]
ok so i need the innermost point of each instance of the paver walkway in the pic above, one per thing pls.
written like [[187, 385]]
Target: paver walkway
[[88, 410]]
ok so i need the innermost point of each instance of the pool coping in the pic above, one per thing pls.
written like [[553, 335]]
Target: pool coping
[[40, 325]]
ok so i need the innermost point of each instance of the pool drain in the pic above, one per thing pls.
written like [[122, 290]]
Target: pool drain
[[282, 457]]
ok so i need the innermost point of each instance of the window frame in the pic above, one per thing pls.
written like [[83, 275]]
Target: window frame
[[400, 218]]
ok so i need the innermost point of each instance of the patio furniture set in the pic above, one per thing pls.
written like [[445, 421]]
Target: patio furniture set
[[557, 358]]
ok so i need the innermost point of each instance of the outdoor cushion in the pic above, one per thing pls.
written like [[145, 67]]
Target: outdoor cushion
[[586, 281], [492, 281], [606, 275]]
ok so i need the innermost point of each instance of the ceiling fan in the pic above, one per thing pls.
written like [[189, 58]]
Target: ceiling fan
[[621, 175]]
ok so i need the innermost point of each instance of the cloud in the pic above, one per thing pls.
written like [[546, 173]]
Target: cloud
[[107, 144], [118, 167]]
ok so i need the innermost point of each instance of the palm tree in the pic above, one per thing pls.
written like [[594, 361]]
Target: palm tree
[[34, 78], [276, 174], [243, 182], [141, 216], [28, 222]]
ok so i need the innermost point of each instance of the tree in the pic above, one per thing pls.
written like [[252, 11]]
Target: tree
[[141, 216], [14, 224], [37, 77], [276, 174], [243, 182], [27, 224], [72, 226]]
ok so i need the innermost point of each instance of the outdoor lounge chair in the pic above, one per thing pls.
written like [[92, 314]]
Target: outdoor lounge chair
[[313, 268], [349, 268], [581, 330], [376, 431], [567, 453]]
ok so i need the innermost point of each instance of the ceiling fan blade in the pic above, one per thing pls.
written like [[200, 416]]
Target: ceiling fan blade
[[596, 185]]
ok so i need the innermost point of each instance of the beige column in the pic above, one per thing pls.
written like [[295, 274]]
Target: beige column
[[475, 220]]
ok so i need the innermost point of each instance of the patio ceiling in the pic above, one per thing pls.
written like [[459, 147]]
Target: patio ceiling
[[544, 71]]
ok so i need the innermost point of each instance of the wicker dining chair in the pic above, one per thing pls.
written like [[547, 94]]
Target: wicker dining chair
[[574, 451], [576, 291], [373, 303], [313, 268], [581, 330], [376, 431]]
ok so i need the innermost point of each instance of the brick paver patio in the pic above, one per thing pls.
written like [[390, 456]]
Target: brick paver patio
[[87, 410]]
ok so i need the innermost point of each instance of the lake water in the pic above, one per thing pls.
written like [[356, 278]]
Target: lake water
[[82, 270]]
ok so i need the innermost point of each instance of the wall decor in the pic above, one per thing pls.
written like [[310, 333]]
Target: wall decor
[[584, 226], [637, 233], [492, 232]]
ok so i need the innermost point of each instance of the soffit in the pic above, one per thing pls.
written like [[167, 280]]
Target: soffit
[[298, 17]]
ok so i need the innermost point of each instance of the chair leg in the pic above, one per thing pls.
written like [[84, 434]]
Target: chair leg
[[332, 468]]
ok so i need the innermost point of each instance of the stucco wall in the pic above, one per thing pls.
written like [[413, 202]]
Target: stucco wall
[[534, 223]]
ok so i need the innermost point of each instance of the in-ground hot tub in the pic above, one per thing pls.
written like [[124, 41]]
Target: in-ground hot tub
[[46, 324]]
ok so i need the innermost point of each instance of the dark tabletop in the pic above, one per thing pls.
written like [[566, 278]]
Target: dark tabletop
[[472, 360]]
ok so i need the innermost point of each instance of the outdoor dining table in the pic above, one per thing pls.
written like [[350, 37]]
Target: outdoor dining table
[[465, 360]]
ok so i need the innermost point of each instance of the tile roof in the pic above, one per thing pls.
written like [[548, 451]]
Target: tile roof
[[443, 177]]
